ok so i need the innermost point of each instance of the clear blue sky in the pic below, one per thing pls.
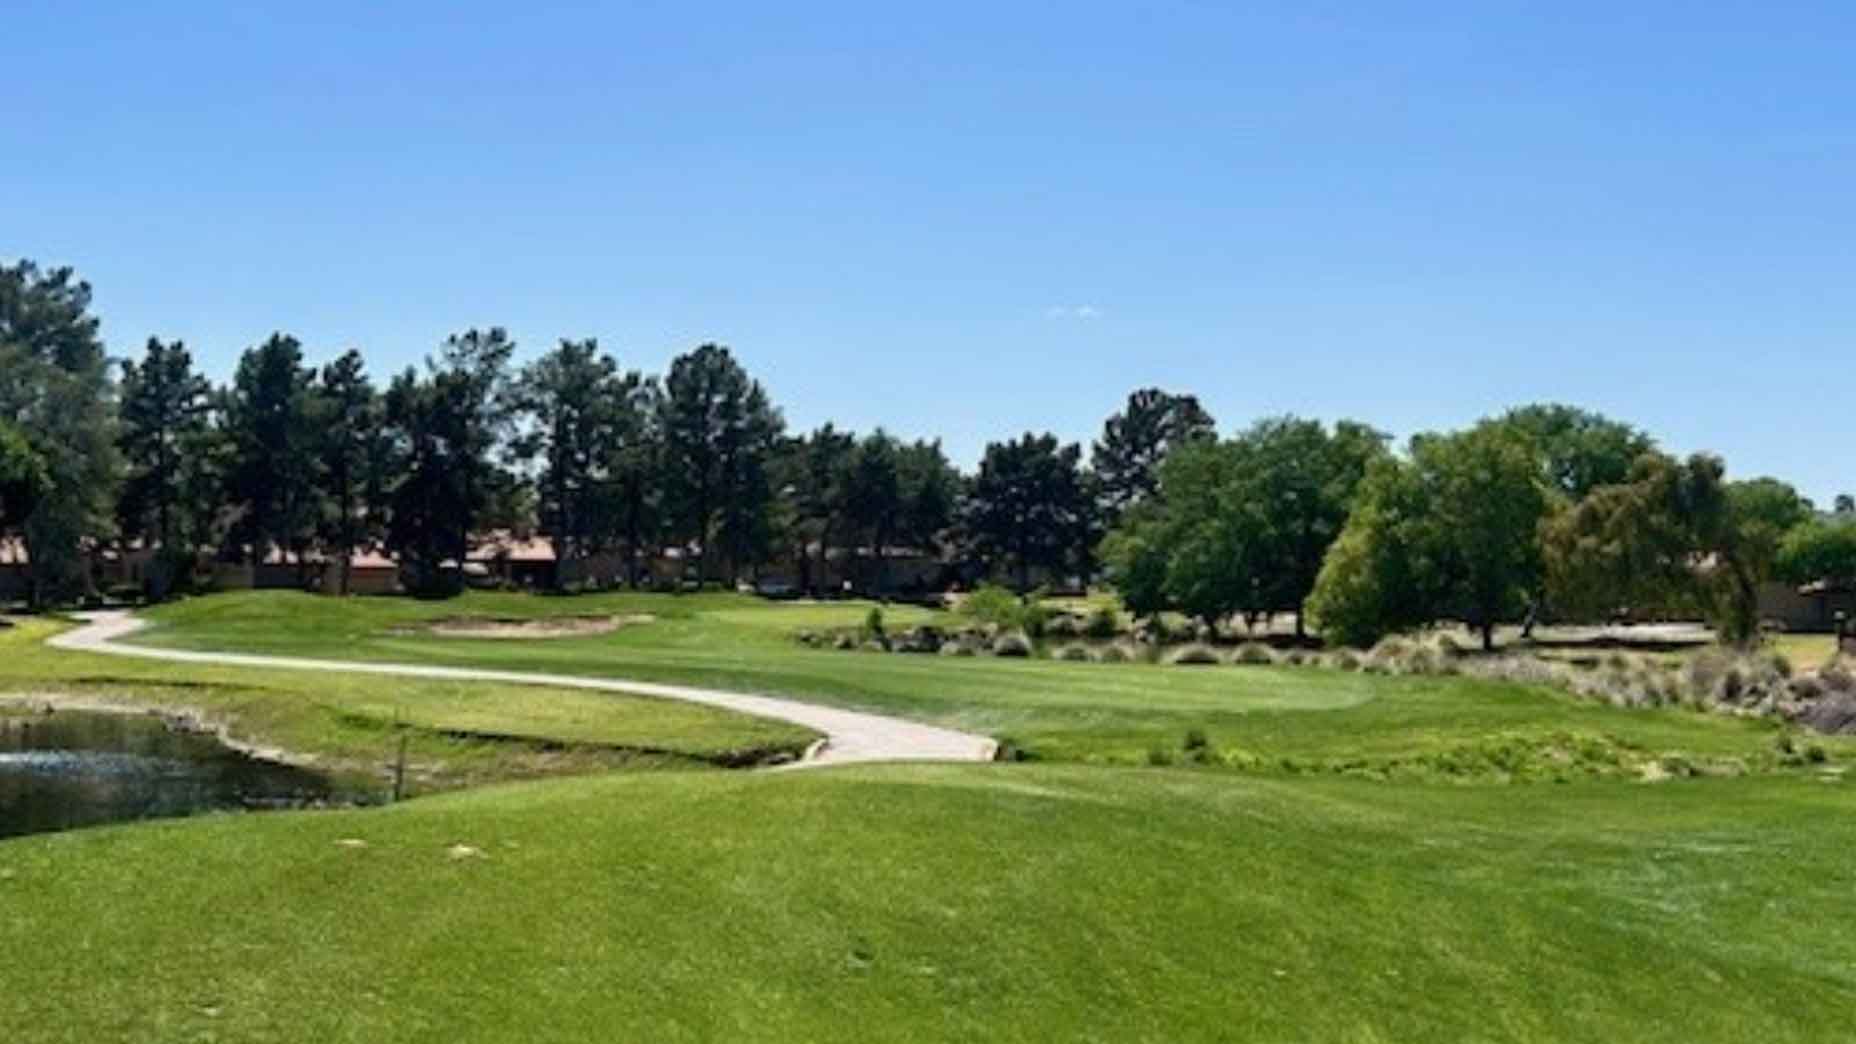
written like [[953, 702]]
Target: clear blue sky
[[971, 219]]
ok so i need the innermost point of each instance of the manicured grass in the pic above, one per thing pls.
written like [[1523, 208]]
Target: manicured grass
[[983, 902], [1254, 718], [460, 732]]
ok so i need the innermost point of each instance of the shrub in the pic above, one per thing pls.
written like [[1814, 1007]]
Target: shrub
[[1253, 653], [873, 622], [1160, 756], [876, 645], [1196, 739], [1294, 658], [844, 641], [1344, 660], [1013, 646], [1194, 655], [991, 604], [1115, 654], [1072, 653], [1062, 625], [1836, 676], [1448, 646], [1103, 623], [957, 649]]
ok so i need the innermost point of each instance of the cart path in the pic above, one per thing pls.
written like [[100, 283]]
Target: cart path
[[850, 736]]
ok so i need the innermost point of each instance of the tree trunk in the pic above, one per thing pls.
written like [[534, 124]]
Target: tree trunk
[[1488, 634]]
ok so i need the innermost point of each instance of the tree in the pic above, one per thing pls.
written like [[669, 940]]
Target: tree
[[355, 458], [811, 473], [275, 475], [719, 432], [165, 414], [55, 389], [1243, 525], [873, 501], [1818, 550], [22, 478], [583, 419], [1580, 450], [1845, 504], [1451, 531], [1134, 442], [1677, 533], [471, 379], [1029, 508], [446, 428]]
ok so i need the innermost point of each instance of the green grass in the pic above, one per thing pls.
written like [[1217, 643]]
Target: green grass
[[460, 733], [1256, 718], [920, 903]]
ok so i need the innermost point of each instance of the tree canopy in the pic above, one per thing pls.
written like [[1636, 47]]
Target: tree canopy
[[1135, 443], [1448, 532]]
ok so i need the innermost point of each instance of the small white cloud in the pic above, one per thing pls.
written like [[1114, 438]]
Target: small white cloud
[[1081, 312]]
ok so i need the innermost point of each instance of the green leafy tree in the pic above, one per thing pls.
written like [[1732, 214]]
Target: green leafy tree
[[1126, 458], [274, 479], [165, 415], [447, 428], [1677, 533], [1449, 532], [1580, 450], [582, 413], [1845, 504], [55, 388], [1242, 526], [719, 435], [1029, 509], [812, 474], [22, 479], [873, 500], [356, 460], [1818, 550]]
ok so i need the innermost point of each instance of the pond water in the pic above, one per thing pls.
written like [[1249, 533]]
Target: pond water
[[78, 768]]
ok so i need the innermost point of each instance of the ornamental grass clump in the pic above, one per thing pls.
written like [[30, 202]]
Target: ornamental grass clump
[[1253, 653], [1198, 654], [1074, 653], [1015, 645]]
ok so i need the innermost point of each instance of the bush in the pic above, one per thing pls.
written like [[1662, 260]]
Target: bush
[[991, 604], [844, 641], [1344, 660], [957, 649], [1447, 646], [1072, 653], [1194, 655], [1196, 740], [1015, 646], [1115, 654], [1062, 625], [1103, 623], [875, 645], [873, 623], [1253, 653]]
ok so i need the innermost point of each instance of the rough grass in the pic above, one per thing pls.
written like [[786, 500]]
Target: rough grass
[[920, 903]]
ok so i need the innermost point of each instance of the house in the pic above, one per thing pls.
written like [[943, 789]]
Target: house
[[1809, 607]]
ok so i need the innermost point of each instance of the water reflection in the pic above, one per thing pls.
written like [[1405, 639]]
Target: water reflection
[[78, 768]]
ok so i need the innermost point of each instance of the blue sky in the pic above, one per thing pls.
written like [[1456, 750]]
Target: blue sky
[[973, 219]]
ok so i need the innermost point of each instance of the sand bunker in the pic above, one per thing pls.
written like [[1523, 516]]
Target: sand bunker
[[555, 627]]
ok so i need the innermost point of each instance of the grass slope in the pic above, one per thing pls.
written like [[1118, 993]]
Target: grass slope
[[460, 732], [1253, 717], [924, 903]]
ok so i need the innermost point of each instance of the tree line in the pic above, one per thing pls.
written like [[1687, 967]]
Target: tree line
[[1543, 510]]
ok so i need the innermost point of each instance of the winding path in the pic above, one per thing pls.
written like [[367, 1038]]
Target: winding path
[[850, 736]]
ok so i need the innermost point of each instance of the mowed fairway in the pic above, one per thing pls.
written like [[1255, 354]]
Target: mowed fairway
[[1104, 713], [924, 903]]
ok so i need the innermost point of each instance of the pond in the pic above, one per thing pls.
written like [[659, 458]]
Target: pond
[[67, 769]]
